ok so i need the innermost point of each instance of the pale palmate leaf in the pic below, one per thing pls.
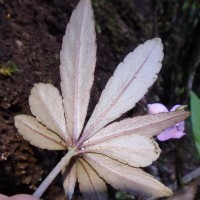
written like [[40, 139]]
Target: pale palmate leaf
[[91, 185], [46, 105], [37, 134], [126, 178], [98, 153], [78, 58], [135, 150], [127, 86], [69, 179]]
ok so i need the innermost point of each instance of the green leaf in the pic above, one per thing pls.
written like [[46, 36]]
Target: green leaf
[[195, 118]]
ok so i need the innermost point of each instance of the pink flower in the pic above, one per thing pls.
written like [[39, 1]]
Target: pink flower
[[176, 131]]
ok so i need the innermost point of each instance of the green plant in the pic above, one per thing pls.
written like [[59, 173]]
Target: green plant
[[195, 118]]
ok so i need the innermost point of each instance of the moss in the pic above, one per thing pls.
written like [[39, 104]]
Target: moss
[[8, 69]]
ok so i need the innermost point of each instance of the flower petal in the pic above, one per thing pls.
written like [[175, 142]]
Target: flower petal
[[134, 150], [46, 105], [91, 185], [78, 58], [37, 134], [170, 133], [181, 126], [156, 108], [126, 178], [127, 86]]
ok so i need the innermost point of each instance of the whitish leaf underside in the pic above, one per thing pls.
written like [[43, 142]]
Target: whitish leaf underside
[[90, 184], [46, 104], [69, 179], [78, 58], [37, 134], [147, 125], [135, 150], [126, 178], [127, 86]]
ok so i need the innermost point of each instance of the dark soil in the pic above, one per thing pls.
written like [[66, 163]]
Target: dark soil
[[30, 37]]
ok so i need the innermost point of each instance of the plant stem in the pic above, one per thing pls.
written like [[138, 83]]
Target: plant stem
[[63, 162]]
